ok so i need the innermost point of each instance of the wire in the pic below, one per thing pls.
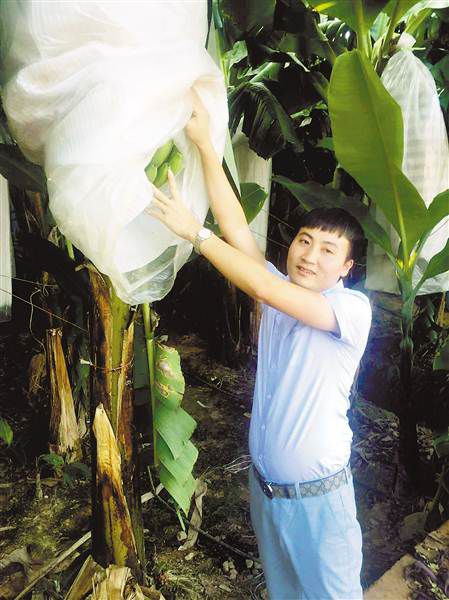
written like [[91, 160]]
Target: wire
[[43, 309], [36, 283]]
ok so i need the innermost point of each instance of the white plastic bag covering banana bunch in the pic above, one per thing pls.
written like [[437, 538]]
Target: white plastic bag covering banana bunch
[[6, 256], [92, 90], [425, 163]]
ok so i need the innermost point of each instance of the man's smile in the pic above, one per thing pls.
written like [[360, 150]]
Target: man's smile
[[304, 271]]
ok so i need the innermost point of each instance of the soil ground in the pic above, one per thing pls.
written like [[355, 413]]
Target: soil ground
[[37, 527]]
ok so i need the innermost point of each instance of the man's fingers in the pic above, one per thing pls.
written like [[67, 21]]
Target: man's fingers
[[160, 195], [198, 105], [156, 209], [159, 205], [172, 186], [153, 212]]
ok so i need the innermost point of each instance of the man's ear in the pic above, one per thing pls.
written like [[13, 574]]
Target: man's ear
[[347, 267]]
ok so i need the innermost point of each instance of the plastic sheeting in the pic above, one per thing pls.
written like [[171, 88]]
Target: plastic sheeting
[[6, 255], [425, 163], [253, 168], [92, 90]]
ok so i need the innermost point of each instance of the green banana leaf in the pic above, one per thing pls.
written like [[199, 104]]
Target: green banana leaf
[[441, 360], [441, 444], [345, 10], [368, 138], [267, 125], [182, 493], [301, 32], [174, 427], [252, 199], [438, 209], [399, 8], [437, 264], [246, 17], [313, 195], [6, 433]]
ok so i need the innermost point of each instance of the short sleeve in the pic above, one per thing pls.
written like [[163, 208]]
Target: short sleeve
[[275, 271], [352, 310], [270, 267]]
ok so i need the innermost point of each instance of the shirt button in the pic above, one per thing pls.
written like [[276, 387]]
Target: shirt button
[[263, 427], [269, 396]]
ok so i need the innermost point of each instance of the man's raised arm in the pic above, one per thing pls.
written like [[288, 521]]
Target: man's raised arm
[[223, 202]]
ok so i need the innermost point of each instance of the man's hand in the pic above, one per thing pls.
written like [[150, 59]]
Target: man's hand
[[197, 128], [173, 212]]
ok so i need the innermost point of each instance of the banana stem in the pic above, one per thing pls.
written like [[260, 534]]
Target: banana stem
[[417, 21], [390, 30], [69, 247], [362, 34], [149, 341]]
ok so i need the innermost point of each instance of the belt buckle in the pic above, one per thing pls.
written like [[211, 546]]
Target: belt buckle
[[268, 490]]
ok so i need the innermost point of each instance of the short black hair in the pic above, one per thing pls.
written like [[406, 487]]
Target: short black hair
[[336, 220]]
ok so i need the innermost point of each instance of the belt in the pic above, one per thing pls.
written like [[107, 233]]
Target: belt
[[305, 489]]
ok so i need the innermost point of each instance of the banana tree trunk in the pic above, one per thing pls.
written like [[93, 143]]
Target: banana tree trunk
[[64, 434], [408, 435], [117, 528]]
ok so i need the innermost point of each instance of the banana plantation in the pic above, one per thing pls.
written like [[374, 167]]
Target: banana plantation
[[132, 343]]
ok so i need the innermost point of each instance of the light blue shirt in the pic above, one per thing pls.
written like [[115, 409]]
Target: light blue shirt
[[299, 426]]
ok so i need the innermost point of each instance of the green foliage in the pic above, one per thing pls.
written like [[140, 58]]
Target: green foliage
[[246, 17], [368, 138], [313, 195], [278, 76], [441, 360], [440, 72], [338, 34], [438, 264], [75, 471], [252, 199], [345, 11], [54, 461], [6, 433], [298, 31], [441, 444], [396, 9], [175, 454], [174, 427], [68, 472], [266, 123]]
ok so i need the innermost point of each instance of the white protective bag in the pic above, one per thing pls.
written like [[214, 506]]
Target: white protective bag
[[254, 168], [92, 90], [425, 163], [6, 254]]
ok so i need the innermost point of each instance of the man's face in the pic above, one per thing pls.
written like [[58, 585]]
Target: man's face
[[317, 259]]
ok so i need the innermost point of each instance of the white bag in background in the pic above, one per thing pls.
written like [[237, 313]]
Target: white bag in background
[[425, 163], [6, 254], [253, 168], [92, 90]]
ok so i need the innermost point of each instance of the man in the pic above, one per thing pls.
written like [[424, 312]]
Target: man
[[312, 335]]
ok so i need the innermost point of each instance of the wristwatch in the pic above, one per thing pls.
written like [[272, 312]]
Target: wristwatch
[[202, 235]]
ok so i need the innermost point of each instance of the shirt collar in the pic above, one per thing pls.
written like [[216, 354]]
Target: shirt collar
[[338, 286]]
